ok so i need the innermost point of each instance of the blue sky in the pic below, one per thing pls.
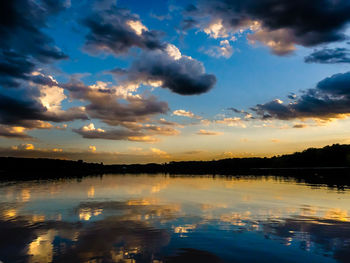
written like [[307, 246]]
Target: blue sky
[[178, 88]]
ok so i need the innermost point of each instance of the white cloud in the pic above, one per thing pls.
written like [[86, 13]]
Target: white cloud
[[216, 29], [173, 51], [50, 97], [91, 127], [137, 26], [224, 50], [185, 113]]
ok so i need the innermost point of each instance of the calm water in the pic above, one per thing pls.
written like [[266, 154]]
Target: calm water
[[118, 218]]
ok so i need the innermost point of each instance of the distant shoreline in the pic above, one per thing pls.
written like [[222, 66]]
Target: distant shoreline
[[330, 164]]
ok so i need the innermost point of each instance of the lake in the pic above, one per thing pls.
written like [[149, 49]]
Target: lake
[[158, 218]]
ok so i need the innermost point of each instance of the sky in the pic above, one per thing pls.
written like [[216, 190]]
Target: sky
[[133, 81]]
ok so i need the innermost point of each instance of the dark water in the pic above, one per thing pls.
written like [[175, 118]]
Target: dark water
[[119, 218]]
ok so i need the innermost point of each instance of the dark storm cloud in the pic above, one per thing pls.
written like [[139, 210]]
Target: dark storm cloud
[[111, 30], [26, 111], [306, 23], [329, 99], [291, 96], [13, 67], [21, 22], [15, 110], [336, 85], [329, 56], [23, 45], [182, 75], [117, 30]]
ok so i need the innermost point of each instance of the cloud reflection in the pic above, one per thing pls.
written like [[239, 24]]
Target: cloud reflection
[[161, 221], [112, 239]]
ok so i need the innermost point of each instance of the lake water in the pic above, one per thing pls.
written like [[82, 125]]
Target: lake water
[[129, 218]]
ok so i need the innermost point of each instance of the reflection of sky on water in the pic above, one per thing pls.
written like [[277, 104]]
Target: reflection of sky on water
[[162, 219]]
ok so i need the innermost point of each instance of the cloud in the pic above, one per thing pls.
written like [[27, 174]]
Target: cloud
[[160, 64], [13, 68], [160, 153], [205, 132], [169, 69], [160, 130], [329, 99], [141, 133], [169, 123], [114, 107], [29, 98], [232, 122], [90, 132], [138, 109], [278, 24], [299, 126], [24, 20], [19, 132], [188, 23], [92, 148], [187, 114], [28, 108], [329, 56], [57, 150], [246, 114], [15, 132], [144, 138], [281, 41], [116, 30], [225, 50], [25, 147]]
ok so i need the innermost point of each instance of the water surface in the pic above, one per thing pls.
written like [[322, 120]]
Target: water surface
[[129, 218]]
